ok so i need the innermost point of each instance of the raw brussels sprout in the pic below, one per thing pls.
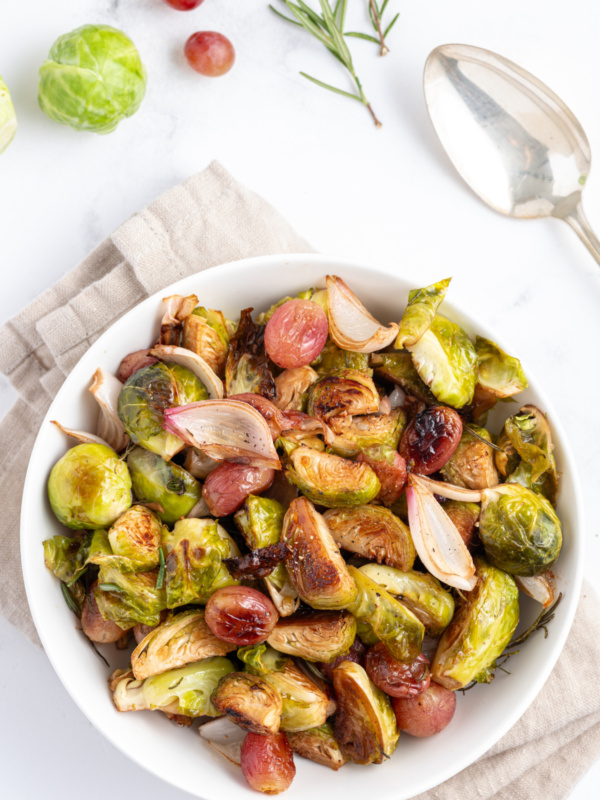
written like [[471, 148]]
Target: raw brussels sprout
[[89, 487], [482, 626], [498, 372], [330, 480], [319, 745], [446, 361], [8, 118], [472, 463], [333, 358], [399, 368], [93, 78], [420, 312], [318, 636], [292, 388], [207, 333], [313, 560], [182, 639], [357, 433], [373, 532], [250, 701], [66, 556], [248, 368], [146, 395], [136, 537], [155, 480], [519, 529], [419, 591], [365, 724], [129, 597], [387, 619], [345, 392]]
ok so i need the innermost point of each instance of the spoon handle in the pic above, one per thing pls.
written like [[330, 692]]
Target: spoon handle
[[577, 220]]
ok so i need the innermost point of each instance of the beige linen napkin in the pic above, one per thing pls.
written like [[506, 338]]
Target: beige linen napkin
[[208, 220]]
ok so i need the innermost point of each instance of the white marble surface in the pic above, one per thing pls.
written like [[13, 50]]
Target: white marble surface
[[387, 196]]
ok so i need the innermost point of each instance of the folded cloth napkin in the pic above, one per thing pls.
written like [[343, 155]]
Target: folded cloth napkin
[[207, 220]]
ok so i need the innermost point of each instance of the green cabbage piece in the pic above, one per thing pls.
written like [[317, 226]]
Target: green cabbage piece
[[155, 480], [498, 372], [189, 687], [8, 118], [420, 312]]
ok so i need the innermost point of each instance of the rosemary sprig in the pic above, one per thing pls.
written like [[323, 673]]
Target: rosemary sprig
[[69, 599], [540, 623], [376, 14], [328, 28]]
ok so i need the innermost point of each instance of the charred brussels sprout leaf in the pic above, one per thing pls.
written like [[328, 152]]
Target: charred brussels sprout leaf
[[155, 480], [357, 433], [89, 487], [333, 359], [519, 530], [66, 556], [480, 630], [207, 333], [319, 745], [420, 312], [472, 463], [343, 393], [250, 701], [318, 636], [330, 480], [248, 368], [136, 538], [498, 372], [260, 659], [145, 397], [399, 368], [132, 597]]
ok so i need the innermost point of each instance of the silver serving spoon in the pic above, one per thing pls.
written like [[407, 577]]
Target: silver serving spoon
[[509, 136]]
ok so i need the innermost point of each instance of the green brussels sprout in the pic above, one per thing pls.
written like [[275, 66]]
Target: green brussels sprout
[[146, 395], [365, 724], [136, 538], [399, 368], [8, 118], [318, 636], [330, 480], [265, 316], [92, 79], [519, 529], [483, 625], [357, 433], [373, 532], [391, 622], [155, 480], [67, 556], [472, 464], [89, 487], [343, 393], [332, 359], [446, 361], [319, 745], [247, 368], [420, 312], [129, 598], [207, 332], [498, 372], [420, 592]]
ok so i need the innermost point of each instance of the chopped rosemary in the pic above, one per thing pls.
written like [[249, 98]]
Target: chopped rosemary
[[109, 587], [98, 653], [69, 599], [161, 570]]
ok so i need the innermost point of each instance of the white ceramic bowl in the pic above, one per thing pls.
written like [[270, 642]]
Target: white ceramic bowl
[[179, 756]]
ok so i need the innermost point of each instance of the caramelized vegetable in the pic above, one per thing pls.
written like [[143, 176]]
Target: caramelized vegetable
[[317, 636], [268, 762], [250, 701]]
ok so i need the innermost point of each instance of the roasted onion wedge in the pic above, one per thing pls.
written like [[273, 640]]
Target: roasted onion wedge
[[192, 361], [105, 389], [351, 326]]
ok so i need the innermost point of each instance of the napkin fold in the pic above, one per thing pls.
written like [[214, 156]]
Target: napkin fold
[[208, 220]]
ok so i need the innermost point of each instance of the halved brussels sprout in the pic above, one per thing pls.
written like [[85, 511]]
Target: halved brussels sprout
[[248, 368], [330, 480], [498, 372], [519, 529], [357, 433], [250, 701], [482, 626], [155, 480], [129, 597], [365, 723], [185, 691], [387, 619], [420, 312], [373, 532], [346, 392], [66, 556], [146, 395], [292, 388], [318, 636], [89, 487], [313, 560], [508, 460], [472, 465], [464, 516], [333, 358], [399, 368], [319, 745], [446, 361], [418, 591], [207, 333], [8, 118], [182, 639], [136, 538]]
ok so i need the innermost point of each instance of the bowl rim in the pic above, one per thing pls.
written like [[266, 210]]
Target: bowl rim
[[336, 265]]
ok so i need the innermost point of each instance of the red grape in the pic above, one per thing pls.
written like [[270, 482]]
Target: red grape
[[356, 654], [430, 439], [426, 713], [209, 53], [296, 333], [267, 762], [395, 677], [227, 486], [240, 615], [184, 5]]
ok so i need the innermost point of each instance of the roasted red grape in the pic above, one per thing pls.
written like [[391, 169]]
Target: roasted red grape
[[227, 486], [392, 477], [296, 333], [184, 5], [93, 623], [240, 615], [430, 439], [133, 362], [395, 677], [209, 53], [426, 713], [268, 762], [356, 654]]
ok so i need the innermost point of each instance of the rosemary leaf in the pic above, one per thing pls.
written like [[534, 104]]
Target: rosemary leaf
[[161, 570], [109, 587], [69, 599], [366, 36], [331, 88], [283, 16], [390, 26], [98, 653]]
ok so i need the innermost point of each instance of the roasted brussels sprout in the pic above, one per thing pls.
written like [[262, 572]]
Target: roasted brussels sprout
[[385, 618], [346, 392], [373, 532], [365, 725], [330, 480], [247, 368], [319, 745], [482, 626], [464, 517], [354, 434], [419, 591], [207, 333], [292, 388], [420, 312], [250, 701], [182, 639], [129, 598], [390, 468], [399, 368], [472, 463], [66, 556], [313, 561], [318, 636], [146, 395], [155, 480], [333, 359], [446, 361], [519, 530], [136, 538], [498, 372], [89, 487]]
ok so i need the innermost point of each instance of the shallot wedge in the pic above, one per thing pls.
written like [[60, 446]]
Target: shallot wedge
[[106, 390], [436, 539], [286, 422], [225, 737], [351, 326], [80, 436], [224, 429], [178, 308], [540, 587], [443, 489], [186, 358]]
